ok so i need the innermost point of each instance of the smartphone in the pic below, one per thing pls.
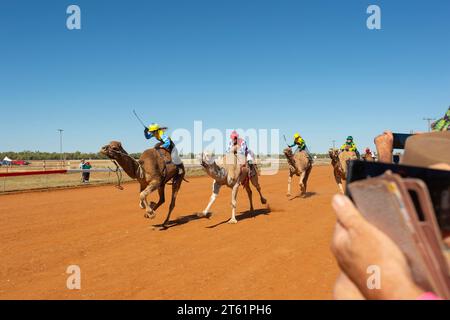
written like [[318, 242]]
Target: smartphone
[[400, 140], [437, 182]]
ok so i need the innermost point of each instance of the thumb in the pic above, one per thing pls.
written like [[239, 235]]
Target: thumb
[[347, 215]]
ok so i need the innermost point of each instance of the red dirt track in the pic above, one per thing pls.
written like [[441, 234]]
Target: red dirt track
[[281, 254]]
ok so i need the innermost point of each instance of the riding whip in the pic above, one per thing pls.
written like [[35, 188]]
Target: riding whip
[[139, 119]]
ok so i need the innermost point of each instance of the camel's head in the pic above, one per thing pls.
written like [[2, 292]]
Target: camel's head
[[208, 163], [288, 152], [333, 153], [206, 160], [113, 150]]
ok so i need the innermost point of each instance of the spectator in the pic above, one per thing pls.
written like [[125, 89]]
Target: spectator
[[357, 244], [87, 166], [384, 142], [443, 124], [85, 175]]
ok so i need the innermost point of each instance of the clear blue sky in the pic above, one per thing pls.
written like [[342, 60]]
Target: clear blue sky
[[307, 66]]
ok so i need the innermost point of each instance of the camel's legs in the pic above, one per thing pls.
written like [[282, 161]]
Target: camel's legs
[[216, 189], [289, 185], [341, 188], [234, 193], [305, 181], [152, 186], [301, 183], [255, 182], [338, 178], [249, 193], [162, 199], [175, 188], [141, 202]]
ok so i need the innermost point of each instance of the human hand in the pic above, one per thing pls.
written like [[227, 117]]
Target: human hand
[[357, 244], [385, 144]]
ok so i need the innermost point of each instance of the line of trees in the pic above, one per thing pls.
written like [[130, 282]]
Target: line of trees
[[77, 155], [39, 155]]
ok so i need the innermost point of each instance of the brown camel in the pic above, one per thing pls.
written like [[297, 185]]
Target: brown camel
[[153, 170], [339, 162], [232, 174], [301, 165]]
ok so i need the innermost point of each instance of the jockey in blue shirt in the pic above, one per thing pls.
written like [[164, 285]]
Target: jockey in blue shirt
[[154, 130]]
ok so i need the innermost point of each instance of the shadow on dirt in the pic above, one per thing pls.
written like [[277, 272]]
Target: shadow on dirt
[[181, 220], [305, 196], [244, 215]]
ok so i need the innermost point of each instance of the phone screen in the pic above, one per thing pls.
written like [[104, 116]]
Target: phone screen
[[400, 140], [437, 181]]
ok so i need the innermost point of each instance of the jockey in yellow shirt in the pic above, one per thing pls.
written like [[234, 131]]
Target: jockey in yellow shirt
[[301, 145], [349, 145]]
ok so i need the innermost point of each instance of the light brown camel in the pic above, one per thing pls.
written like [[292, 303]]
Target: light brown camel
[[153, 170], [339, 162], [301, 165], [232, 174]]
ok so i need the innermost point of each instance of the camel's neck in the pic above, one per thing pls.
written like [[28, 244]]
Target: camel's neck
[[290, 159], [129, 165], [215, 172]]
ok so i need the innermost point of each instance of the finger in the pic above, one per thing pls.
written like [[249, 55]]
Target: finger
[[340, 239], [348, 216], [345, 289]]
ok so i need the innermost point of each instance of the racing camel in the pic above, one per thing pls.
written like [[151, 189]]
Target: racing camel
[[153, 170], [367, 156], [301, 165], [339, 163], [232, 174]]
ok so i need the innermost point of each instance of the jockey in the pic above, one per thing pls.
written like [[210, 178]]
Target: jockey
[[154, 130], [349, 145], [369, 152], [243, 149], [301, 145]]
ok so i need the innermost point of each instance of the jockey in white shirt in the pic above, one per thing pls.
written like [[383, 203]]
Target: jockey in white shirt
[[243, 149]]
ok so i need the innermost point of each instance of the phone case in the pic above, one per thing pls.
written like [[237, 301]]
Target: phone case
[[386, 202]]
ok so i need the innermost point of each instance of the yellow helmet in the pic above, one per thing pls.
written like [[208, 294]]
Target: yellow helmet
[[297, 135], [154, 127]]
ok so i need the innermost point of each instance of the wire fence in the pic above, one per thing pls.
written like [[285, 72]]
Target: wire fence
[[57, 174]]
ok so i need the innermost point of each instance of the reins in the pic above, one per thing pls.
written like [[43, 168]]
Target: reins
[[118, 173], [139, 171]]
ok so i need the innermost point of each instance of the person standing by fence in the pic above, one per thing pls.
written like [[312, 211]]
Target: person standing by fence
[[85, 175]]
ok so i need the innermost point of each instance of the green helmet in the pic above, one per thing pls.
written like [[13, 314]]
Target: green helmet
[[350, 138]]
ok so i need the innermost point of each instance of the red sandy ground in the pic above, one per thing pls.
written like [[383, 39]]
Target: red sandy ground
[[281, 254]]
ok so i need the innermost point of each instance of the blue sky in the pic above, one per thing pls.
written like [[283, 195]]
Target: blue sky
[[307, 66]]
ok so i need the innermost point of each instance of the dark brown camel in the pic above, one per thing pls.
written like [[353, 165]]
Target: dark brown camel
[[153, 170]]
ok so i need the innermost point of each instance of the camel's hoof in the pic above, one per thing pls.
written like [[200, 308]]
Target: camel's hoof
[[150, 215], [202, 214], [288, 194], [263, 201], [232, 221]]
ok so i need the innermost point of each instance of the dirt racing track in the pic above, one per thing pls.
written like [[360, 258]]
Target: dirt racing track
[[278, 253]]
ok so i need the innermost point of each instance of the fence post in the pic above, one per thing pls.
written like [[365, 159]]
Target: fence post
[[4, 180]]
